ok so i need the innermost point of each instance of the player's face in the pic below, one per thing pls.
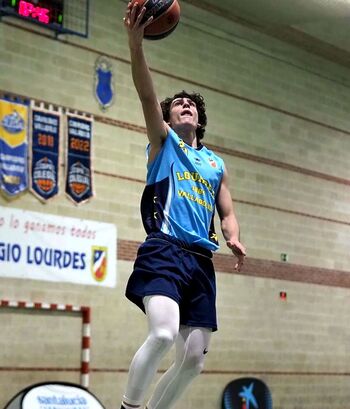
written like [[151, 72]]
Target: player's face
[[183, 111]]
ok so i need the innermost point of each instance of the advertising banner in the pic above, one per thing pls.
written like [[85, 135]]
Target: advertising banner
[[54, 395], [246, 393], [46, 247]]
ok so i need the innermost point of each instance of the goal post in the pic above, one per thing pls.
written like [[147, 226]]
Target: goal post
[[83, 311]]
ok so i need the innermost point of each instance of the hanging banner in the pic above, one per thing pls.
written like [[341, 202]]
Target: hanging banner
[[13, 148], [44, 153], [79, 183], [46, 247]]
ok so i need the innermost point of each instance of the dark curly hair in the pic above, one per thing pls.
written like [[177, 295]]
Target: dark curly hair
[[200, 104]]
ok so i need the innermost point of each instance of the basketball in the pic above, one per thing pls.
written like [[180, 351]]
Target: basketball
[[166, 16]]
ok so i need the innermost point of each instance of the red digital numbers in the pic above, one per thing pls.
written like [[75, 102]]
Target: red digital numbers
[[27, 9]]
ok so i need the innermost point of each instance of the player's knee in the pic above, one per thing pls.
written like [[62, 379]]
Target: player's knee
[[194, 364], [163, 338], [197, 367]]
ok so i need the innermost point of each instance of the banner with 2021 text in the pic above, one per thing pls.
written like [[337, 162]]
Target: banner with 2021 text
[[46, 247]]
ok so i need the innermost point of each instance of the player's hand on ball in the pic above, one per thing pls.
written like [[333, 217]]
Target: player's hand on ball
[[133, 25], [239, 251]]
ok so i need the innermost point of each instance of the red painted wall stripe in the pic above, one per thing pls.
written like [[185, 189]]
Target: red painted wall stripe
[[254, 267], [205, 372]]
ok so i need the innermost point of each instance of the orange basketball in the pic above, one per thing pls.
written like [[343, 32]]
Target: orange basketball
[[166, 16]]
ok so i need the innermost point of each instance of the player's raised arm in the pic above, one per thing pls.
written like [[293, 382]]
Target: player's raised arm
[[156, 127]]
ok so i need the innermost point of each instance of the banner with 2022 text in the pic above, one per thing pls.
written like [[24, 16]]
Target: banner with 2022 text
[[46, 247]]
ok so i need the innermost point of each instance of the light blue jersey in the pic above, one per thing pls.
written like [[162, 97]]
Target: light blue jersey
[[179, 197]]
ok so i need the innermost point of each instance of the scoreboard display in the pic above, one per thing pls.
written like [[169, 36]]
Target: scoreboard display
[[60, 16], [45, 12]]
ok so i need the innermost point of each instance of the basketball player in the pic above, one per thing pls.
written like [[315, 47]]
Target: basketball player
[[173, 280]]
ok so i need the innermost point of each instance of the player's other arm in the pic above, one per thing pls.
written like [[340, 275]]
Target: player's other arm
[[229, 224], [156, 127]]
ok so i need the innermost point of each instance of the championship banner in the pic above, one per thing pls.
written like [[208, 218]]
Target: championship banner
[[79, 183], [44, 153], [13, 147], [46, 247]]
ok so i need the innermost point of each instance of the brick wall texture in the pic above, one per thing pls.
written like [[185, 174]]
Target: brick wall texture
[[279, 117]]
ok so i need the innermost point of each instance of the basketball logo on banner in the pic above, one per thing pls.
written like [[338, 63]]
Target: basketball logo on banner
[[45, 129], [79, 180], [79, 183], [13, 147], [44, 177]]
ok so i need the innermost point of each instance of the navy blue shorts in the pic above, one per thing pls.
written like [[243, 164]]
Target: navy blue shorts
[[167, 266]]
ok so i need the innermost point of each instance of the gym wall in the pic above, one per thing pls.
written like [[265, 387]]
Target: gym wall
[[279, 117]]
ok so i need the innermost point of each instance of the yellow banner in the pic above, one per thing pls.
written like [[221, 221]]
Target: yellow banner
[[13, 123], [13, 148]]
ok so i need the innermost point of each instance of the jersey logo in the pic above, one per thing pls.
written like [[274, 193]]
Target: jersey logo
[[212, 163], [214, 237], [182, 146]]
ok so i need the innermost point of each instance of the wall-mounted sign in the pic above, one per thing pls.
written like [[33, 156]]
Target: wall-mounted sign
[[246, 393], [42, 11], [54, 395], [104, 88], [46, 247], [60, 16]]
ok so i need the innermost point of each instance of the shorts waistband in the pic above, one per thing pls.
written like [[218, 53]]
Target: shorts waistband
[[193, 248]]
